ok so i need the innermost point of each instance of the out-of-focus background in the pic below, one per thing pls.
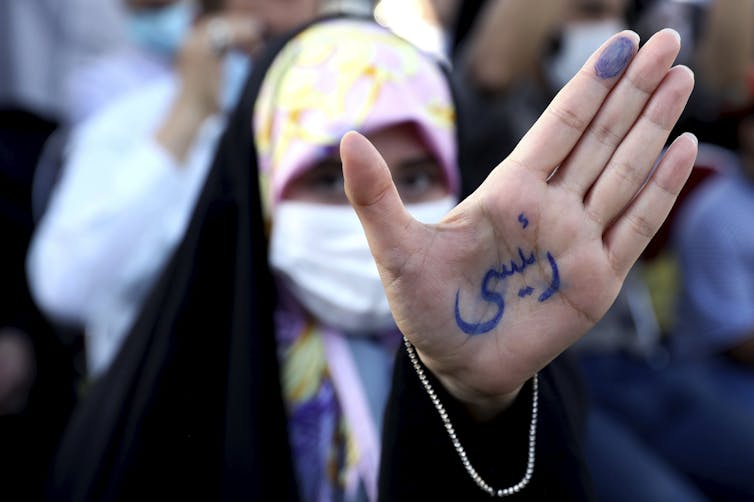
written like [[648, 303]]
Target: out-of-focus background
[[669, 372]]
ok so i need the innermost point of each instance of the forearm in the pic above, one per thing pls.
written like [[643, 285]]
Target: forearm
[[508, 41], [178, 131], [725, 50]]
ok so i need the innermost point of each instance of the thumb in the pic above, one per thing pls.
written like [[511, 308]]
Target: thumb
[[372, 193]]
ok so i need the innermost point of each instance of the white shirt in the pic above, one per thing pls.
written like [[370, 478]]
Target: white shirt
[[88, 87], [118, 212]]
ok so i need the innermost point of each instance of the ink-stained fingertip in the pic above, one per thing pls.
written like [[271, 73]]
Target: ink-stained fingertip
[[617, 54], [631, 34]]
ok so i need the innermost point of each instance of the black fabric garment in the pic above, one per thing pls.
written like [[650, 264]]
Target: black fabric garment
[[420, 463], [191, 409], [28, 439]]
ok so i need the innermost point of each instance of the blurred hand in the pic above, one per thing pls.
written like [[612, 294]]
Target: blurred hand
[[524, 266], [200, 58], [199, 65]]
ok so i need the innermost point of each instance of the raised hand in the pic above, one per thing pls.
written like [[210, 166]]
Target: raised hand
[[199, 65], [524, 266], [200, 59]]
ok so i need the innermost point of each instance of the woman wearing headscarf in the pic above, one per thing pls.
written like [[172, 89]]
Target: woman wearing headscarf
[[485, 299], [335, 332]]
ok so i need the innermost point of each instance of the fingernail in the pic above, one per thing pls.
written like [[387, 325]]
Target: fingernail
[[673, 32], [692, 137], [614, 58]]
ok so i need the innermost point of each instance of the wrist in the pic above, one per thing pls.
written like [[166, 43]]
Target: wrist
[[191, 106], [482, 406], [178, 130]]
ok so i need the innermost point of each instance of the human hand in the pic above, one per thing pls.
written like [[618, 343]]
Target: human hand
[[199, 66], [200, 59], [525, 265]]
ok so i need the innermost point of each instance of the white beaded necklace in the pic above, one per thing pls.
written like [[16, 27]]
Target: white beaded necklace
[[503, 492]]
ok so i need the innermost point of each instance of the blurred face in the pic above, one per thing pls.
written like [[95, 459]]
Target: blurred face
[[279, 16], [416, 172]]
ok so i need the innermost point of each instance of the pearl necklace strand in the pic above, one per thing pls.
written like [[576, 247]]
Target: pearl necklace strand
[[503, 492]]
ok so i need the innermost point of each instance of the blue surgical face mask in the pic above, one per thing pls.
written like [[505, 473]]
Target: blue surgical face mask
[[162, 31], [236, 68]]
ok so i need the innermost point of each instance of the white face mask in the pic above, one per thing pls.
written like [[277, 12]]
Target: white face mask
[[578, 42], [322, 255]]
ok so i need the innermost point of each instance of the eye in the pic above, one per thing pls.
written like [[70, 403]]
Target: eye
[[322, 183], [326, 177], [419, 180]]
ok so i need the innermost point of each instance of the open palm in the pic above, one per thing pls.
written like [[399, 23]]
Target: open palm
[[530, 261]]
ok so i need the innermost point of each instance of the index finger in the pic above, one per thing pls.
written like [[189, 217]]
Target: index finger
[[564, 121]]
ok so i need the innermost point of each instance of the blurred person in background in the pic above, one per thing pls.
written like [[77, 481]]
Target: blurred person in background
[[714, 242], [134, 168], [138, 56], [152, 32], [39, 41], [658, 429]]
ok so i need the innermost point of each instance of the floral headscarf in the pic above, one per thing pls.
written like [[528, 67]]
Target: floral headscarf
[[347, 75]]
